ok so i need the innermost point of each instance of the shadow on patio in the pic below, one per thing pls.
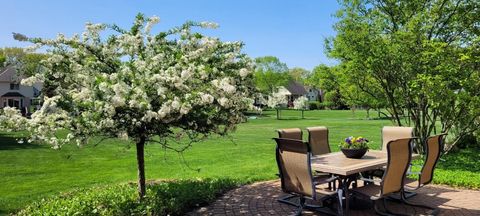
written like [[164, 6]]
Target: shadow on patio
[[260, 199]]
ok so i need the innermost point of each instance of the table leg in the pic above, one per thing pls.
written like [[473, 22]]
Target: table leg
[[344, 185]]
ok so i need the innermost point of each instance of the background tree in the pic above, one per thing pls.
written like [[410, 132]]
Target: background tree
[[3, 59], [298, 74], [270, 73], [418, 55], [173, 88], [328, 80], [30, 63]]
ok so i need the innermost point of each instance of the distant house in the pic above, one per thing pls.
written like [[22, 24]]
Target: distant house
[[298, 90], [293, 91], [13, 94], [314, 94]]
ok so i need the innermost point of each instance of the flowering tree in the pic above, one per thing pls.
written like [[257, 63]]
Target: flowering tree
[[134, 85], [275, 100], [300, 103]]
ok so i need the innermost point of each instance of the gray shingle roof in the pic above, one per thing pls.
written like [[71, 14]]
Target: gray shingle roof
[[296, 88], [9, 74]]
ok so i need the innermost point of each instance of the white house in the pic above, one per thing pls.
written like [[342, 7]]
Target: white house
[[13, 94], [314, 94], [297, 90]]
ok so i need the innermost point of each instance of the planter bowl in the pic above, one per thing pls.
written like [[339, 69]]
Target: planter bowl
[[354, 153]]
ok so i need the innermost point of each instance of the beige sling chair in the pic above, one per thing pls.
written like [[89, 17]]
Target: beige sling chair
[[433, 149], [399, 156], [290, 133], [318, 140], [293, 160], [390, 133]]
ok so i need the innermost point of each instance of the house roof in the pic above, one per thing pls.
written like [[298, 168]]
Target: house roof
[[283, 90], [296, 88], [9, 74], [307, 88], [12, 94]]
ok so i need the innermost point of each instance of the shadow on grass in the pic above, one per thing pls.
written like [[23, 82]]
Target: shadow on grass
[[11, 143], [293, 118]]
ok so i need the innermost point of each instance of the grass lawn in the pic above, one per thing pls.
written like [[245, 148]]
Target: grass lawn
[[29, 172]]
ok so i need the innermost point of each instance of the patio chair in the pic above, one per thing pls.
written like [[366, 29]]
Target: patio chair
[[290, 133], [425, 176], [389, 133], [293, 160], [399, 156], [318, 140]]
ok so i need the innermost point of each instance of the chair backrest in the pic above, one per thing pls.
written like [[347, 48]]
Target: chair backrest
[[399, 156], [293, 160], [318, 140], [390, 133], [433, 150], [290, 133]]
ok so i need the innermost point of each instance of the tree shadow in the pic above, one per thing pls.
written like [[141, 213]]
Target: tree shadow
[[262, 197], [10, 143]]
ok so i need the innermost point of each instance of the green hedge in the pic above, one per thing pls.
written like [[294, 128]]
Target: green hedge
[[329, 105], [315, 105], [163, 198]]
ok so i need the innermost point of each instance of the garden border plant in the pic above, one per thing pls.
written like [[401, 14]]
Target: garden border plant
[[164, 198]]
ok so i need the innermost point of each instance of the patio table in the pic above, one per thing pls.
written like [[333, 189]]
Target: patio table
[[347, 169]]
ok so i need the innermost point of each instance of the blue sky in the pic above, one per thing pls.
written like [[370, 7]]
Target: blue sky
[[292, 30]]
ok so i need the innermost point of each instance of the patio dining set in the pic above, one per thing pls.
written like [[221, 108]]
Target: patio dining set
[[317, 179]]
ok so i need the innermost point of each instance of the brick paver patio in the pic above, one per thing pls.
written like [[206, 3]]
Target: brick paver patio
[[260, 199]]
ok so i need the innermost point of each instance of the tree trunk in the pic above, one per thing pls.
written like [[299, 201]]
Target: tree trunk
[[141, 167], [278, 114]]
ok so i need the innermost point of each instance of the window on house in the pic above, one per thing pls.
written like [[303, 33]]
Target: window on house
[[14, 86]]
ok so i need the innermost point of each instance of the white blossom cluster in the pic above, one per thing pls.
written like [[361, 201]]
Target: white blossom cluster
[[276, 99], [300, 103], [134, 84]]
